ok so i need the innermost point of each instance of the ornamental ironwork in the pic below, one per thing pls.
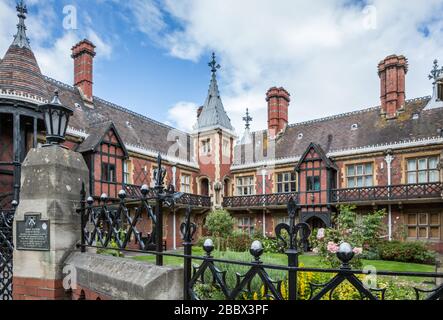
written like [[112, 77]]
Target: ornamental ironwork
[[6, 252], [112, 228]]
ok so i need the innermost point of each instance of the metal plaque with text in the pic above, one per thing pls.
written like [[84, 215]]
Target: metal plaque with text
[[33, 233]]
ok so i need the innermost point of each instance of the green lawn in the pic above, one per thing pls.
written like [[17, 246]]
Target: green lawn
[[306, 260]]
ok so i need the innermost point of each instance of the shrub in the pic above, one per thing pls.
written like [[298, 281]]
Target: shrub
[[238, 242], [219, 224], [416, 252]]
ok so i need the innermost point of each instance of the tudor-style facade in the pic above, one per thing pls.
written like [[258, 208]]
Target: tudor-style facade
[[387, 157]]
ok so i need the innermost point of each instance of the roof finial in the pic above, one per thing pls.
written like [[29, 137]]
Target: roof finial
[[213, 64], [20, 38], [247, 119], [436, 73], [22, 9]]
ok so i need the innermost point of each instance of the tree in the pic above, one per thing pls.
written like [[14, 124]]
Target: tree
[[219, 224]]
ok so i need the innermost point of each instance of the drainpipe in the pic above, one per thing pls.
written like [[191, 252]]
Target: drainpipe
[[263, 175], [174, 240], [389, 158]]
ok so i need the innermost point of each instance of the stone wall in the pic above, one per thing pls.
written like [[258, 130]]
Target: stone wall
[[101, 277]]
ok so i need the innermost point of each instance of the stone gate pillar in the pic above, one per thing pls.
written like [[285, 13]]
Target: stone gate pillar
[[46, 225]]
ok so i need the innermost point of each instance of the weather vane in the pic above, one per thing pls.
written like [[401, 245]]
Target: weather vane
[[436, 72], [247, 119], [213, 64]]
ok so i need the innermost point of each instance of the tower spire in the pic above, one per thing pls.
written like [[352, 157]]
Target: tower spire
[[213, 114], [20, 39]]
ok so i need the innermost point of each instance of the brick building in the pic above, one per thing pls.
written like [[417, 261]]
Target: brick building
[[383, 157]]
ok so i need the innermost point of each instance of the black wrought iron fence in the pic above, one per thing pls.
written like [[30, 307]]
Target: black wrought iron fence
[[116, 228], [6, 251]]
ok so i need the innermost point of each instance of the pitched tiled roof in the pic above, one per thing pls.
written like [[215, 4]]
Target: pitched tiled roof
[[356, 130], [134, 129]]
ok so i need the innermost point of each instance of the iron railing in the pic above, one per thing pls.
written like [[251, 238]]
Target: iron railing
[[187, 199], [274, 199], [6, 251], [387, 193], [114, 225]]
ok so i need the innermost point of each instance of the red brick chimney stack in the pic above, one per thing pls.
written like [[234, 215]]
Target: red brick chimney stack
[[392, 72], [278, 103], [83, 54]]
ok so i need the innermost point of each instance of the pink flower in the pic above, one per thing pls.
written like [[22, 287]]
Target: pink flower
[[320, 233], [358, 251], [315, 250], [332, 247]]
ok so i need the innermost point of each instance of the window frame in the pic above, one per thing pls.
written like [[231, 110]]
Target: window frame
[[419, 225], [185, 187], [364, 176], [206, 146], [440, 91], [290, 183], [107, 169], [240, 187], [247, 228], [416, 172], [311, 184], [127, 172]]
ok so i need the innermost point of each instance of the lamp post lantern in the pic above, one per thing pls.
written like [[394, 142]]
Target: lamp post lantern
[[56, 118]]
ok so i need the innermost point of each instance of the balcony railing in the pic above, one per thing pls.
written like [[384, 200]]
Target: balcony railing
[[388, 193], [275, 199], [351, 195], [187, 199]]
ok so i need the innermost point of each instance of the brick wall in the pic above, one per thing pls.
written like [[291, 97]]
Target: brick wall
[[38, 289]]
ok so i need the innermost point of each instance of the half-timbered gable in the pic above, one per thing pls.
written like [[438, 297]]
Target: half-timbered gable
[[316, 177]]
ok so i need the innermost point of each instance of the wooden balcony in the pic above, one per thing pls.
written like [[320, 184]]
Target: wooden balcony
[[259, 201], [187, 199], [429, 192], [381, 194]]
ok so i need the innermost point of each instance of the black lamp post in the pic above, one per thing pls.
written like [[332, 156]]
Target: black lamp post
[[56, 118]]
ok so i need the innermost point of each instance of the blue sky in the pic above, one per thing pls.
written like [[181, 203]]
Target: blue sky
[[152, 55]]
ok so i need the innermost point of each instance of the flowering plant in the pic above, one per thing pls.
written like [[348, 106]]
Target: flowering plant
[[362, 235]]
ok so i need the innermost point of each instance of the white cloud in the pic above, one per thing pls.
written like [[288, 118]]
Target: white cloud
[[321, 51], [183, 115]]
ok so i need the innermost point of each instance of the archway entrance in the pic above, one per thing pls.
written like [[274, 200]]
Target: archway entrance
[[315, 223], [204, 187]]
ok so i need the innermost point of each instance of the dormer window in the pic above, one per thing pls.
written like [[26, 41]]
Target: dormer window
[[354, 126], [300, 136]]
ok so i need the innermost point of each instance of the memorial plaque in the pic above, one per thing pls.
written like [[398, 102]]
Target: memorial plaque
[[33, 233]]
